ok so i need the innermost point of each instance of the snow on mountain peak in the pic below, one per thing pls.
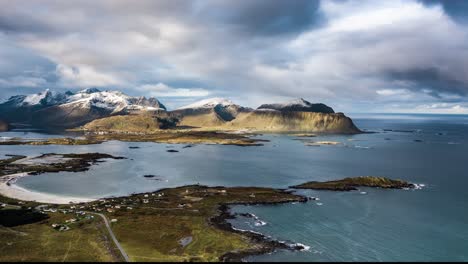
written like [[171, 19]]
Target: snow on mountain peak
[[44, 98], [298, 101], [90, 90], [113, 101], [298, 105], [208, 103], [35, 99]]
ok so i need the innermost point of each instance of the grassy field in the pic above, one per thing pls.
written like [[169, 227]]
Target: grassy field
[[153, 231], [85, 241], [179, 224]]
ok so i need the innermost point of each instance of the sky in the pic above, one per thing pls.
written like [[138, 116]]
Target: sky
[[356, 56]]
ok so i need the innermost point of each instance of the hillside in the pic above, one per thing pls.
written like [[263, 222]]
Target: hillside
[[66, 110], [284, 121], [130, 123], [212, 112], [221, 114]]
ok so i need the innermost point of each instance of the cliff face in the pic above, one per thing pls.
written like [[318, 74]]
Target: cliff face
[[286, 121], [3, 126]]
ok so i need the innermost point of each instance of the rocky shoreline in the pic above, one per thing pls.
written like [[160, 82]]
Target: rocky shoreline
[[265, 244]]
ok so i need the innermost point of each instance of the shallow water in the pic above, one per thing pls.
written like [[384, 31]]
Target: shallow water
[[382, 225]]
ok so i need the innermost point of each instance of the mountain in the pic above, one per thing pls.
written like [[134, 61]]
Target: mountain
[[299, 105], [3, 126], [211, 112], [131, 123], [293, 121], [296, 115], [73, 109], [114, 110]]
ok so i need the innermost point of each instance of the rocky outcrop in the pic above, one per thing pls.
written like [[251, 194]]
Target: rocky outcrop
[[287, 121]]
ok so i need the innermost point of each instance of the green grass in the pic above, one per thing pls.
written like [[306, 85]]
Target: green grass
[[151, 232], [86, 241]]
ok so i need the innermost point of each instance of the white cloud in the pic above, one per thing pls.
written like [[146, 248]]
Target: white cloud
[[84, 76], [163, 90]]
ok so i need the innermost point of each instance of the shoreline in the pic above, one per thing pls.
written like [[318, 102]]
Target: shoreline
[[265, 244], [9, 189]]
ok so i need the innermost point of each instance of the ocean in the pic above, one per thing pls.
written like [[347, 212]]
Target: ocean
[[430, 224]]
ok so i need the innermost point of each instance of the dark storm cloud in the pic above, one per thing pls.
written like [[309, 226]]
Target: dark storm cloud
[[455, 8], [264, 17], [432, 79]]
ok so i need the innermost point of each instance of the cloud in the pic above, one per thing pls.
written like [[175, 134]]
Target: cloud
[[354, 54], [84, 76], [162, 90], [21, 81]]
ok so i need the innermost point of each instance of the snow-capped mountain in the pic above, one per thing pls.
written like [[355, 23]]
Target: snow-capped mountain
[[71, 109], [113, 101], [44, 98], [298, 105], [208, 112], [208, 103]]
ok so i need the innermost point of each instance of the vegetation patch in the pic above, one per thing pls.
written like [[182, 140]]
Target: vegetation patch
[[17, 217], [351, 184]]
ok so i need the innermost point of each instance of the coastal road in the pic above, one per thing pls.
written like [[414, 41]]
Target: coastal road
[[111, 233]]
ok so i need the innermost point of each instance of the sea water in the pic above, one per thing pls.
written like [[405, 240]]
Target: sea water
[[368, 225]]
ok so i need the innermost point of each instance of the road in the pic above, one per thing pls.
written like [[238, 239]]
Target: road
[[111, 233]]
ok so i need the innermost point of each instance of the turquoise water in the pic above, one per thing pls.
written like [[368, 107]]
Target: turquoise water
[[383, 225]]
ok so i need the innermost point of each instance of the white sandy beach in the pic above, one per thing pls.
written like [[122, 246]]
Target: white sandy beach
[[9, 189]]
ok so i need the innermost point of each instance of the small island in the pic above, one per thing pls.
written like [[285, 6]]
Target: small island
[[351, 184], [182, 136], [51, 162]]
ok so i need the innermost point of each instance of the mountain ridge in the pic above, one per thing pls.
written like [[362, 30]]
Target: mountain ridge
[[71, 110]]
